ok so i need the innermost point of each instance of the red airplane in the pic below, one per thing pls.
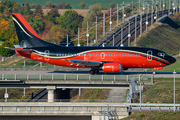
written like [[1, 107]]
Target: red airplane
[[108, 59]]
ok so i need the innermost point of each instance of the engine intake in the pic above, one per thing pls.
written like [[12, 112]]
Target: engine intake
[[112, 67]]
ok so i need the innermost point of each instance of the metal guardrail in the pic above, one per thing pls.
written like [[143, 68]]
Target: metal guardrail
[[63, 100], [152, 107], [17, 107], [73, 77]]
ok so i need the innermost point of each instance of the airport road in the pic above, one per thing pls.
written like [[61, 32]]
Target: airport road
[[159, 74]]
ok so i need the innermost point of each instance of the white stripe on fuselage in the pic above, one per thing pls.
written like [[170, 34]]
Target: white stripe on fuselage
[[61, 57], [21, 27]]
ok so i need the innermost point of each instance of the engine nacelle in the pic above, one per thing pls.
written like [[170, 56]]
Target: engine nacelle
[[112, 67]]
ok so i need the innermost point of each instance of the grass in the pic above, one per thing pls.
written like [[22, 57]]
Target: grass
[[162, 92], [170, 68], [161, 36], [153, 116], [17, 93], [75, 3], [91, 94]]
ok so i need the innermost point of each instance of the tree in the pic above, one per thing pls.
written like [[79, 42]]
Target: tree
[[25, 10], [38, 11], [33, 6], [94, 11], [61, 5], [112, 5], [57, 35], [67, 6], [6, 52], [37, 24], [82, 5], [52, 14], [70, 20], [98, 5], [49, 4]]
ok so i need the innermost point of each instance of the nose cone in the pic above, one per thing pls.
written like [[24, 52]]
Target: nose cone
[[171, 59]]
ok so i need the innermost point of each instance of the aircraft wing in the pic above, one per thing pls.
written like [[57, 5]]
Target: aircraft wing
[[86, 63], [25, 50]]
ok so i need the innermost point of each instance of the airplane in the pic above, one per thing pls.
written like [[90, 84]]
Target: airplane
[[108, 59]]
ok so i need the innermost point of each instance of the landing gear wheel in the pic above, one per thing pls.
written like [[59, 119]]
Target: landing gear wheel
[[96, 71], [92, 72]]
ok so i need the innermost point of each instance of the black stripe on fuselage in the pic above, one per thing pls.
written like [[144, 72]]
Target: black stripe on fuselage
[[156, 59], [76, 50]]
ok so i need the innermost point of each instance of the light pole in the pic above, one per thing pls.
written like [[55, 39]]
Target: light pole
[[123, 11], [122, 36], [104, 25], [110, 22], [156, 10], [87, 35], [152, 14], [169, 6], [135, 27], [129, 35], [67, 40], [117, 15], [78, 37], [163, 5], [174, 91], [96, 28]]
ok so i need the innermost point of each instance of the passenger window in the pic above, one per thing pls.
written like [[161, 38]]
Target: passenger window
[[107, 54], [133, 54], [102, 54], [115, 54], [92, 54], [124, 54], [121, 54], [138, 54], [127, 54], [95, 54], [89, 54], [110, 55], [99, 54], [81, 54]]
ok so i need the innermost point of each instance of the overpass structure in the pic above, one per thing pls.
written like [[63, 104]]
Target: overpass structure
[[68, 111], [57, 85]]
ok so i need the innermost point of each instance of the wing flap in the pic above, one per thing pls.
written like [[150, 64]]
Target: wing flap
[[86, 63]]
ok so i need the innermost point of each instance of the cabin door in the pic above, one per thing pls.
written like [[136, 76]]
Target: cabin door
[[149, 55], [46, 55]]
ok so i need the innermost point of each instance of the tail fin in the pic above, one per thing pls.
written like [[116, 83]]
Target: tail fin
[[27, 36]]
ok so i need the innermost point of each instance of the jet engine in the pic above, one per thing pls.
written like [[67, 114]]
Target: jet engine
[[112, 67]]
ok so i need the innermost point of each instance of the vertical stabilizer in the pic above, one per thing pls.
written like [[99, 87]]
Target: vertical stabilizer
[[27, 36]]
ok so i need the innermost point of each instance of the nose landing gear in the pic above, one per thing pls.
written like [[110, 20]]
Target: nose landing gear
[[94, 71]]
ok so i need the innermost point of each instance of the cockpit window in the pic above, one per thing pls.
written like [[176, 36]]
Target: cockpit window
[[161, 54]]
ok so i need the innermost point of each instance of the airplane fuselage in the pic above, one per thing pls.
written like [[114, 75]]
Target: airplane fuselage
[[129, 57]]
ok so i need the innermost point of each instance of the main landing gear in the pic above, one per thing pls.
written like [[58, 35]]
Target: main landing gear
[[94, 71]]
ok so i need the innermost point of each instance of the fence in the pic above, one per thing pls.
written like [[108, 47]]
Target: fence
[[75, 77], [152, 107]]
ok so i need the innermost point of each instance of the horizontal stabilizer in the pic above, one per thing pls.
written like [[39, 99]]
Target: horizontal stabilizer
[[25, 50]]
